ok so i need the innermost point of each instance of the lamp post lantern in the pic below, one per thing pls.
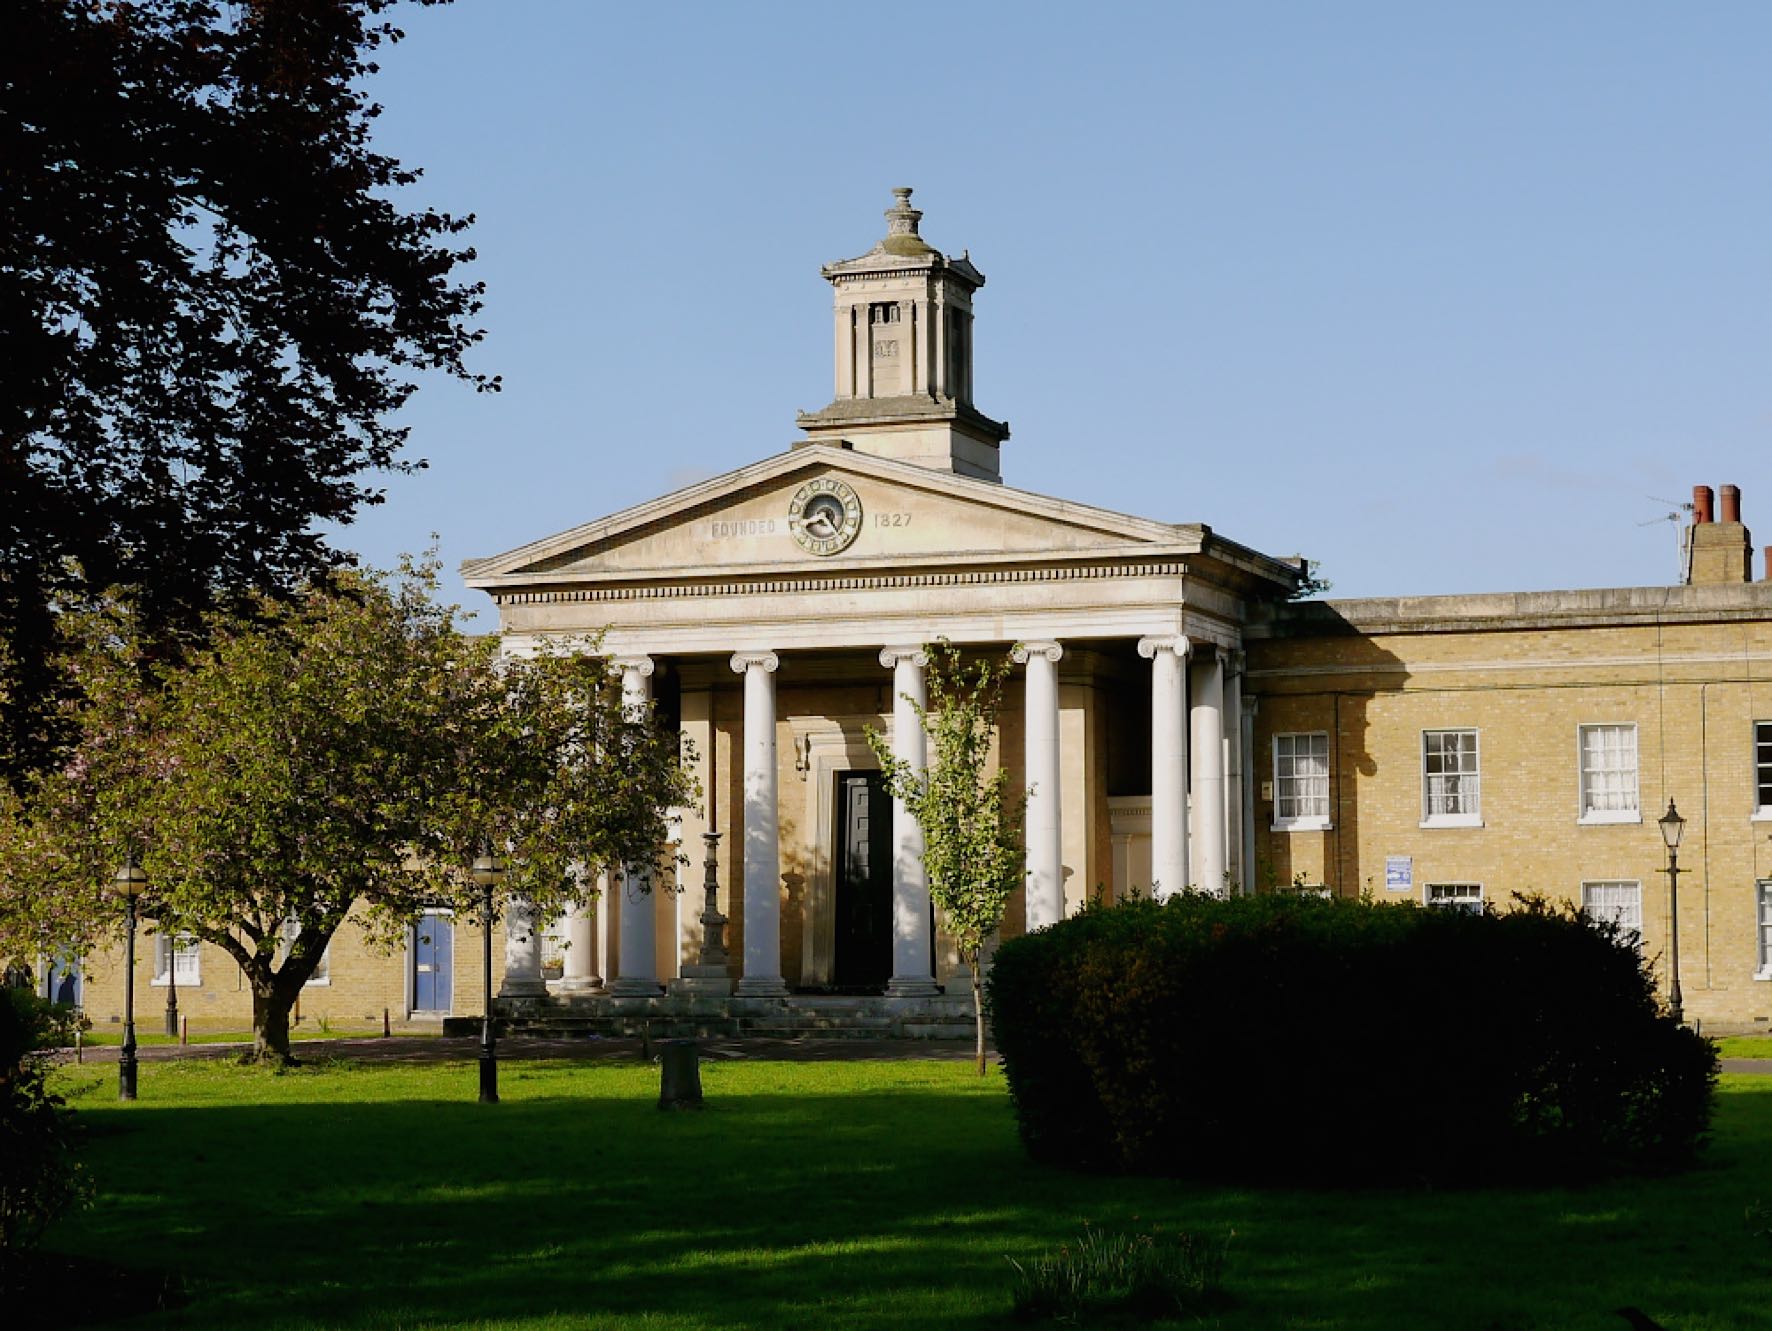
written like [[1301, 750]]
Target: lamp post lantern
[[1672, 827], [487, 872], [129, 883]]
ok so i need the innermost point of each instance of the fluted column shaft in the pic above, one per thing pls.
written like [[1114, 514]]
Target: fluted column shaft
[[762, 842], [1044, 822], [578, 973], [911, 973], [639, 930], [1169, 725], [1207, 754]]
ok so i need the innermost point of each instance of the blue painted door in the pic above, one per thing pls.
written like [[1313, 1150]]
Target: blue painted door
[[433, 949]]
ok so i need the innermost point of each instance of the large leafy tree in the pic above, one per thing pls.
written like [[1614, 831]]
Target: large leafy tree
[[211, 303], [339, 757], [970, 815]]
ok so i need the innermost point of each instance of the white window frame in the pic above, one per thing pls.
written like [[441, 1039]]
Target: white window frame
[[1600, 817], [1632, 929], [187, 957], [1452, 903], [1763, 921], [1762, 769], [1463, 818], [322, 976], [1305, 822]]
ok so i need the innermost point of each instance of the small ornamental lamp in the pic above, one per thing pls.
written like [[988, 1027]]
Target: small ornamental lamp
[[129, 882], [1672, 828], [487, 873]]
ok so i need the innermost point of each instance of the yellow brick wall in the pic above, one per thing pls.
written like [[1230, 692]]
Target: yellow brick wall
[[1693, 691], [361, 982]]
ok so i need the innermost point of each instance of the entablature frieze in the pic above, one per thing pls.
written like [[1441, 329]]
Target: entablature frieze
[[867, 633], [800, 584]]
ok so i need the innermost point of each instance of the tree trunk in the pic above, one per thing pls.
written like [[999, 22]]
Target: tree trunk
[[978, 1008], [270, 1023]]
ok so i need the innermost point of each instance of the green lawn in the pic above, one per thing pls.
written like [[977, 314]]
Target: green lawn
[[819, 1195], [1745, 1046]]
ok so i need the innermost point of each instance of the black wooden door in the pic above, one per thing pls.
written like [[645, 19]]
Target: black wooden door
[[863, 881]]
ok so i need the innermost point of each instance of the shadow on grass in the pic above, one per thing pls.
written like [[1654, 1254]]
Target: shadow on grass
[[785, 1204]]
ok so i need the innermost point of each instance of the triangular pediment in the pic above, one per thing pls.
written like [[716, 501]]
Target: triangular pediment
[[763, 518]]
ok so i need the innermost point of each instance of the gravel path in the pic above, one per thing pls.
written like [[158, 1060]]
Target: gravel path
[[456, 1049], [437, 1049]]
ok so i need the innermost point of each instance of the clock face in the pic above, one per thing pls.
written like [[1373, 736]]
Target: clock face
[[825, 516]]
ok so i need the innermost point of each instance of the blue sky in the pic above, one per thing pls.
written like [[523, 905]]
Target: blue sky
[[1445, 297]]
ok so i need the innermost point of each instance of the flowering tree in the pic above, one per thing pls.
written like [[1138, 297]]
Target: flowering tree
[[339, 757], [970, 816]]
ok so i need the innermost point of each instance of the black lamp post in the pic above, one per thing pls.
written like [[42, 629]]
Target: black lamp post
[[487, 872], [129, 883], [172, 985], [1672, 826]]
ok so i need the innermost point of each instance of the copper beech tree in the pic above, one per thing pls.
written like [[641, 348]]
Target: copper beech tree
[[970, 816], [214, 297], [339, 756]]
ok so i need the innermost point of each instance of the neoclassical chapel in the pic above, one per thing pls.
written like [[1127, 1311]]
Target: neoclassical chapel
[[776, 611]]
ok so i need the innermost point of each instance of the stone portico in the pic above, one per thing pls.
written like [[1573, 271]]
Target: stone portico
[[776, 612]]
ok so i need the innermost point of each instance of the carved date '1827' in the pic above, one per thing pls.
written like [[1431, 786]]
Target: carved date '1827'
[[892, 519]]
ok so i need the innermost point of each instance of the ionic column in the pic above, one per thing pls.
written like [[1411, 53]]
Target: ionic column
[[1207, 754], [1246, 810], [639, 960], [1169, 712], [911, 975], [522, 952], [762, 842], [1044, 825], [578, 974], [1233, 770]]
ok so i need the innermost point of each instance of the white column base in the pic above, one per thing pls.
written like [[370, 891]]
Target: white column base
[[912, 988], [625, 987], [761, 986]]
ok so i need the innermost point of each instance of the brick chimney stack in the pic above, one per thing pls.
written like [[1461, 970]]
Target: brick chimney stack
[[1718, 551]]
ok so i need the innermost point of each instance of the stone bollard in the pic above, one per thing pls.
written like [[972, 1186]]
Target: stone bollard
[[680, 1074]]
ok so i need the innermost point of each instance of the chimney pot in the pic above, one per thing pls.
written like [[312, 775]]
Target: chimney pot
[[1701, 504], [1731, 504], [1768, 577]]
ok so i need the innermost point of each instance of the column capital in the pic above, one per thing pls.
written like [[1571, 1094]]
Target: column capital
[[639, 665], [743, 661], [1023, 651], [1178, 643], [892, 656]]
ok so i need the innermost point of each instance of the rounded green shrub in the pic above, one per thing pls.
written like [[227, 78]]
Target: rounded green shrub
[[1291, 1038]]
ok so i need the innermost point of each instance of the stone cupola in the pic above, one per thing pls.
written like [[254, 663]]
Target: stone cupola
[[904, 356]]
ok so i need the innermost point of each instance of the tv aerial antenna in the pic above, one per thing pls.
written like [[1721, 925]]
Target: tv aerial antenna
[[1678, 511]]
